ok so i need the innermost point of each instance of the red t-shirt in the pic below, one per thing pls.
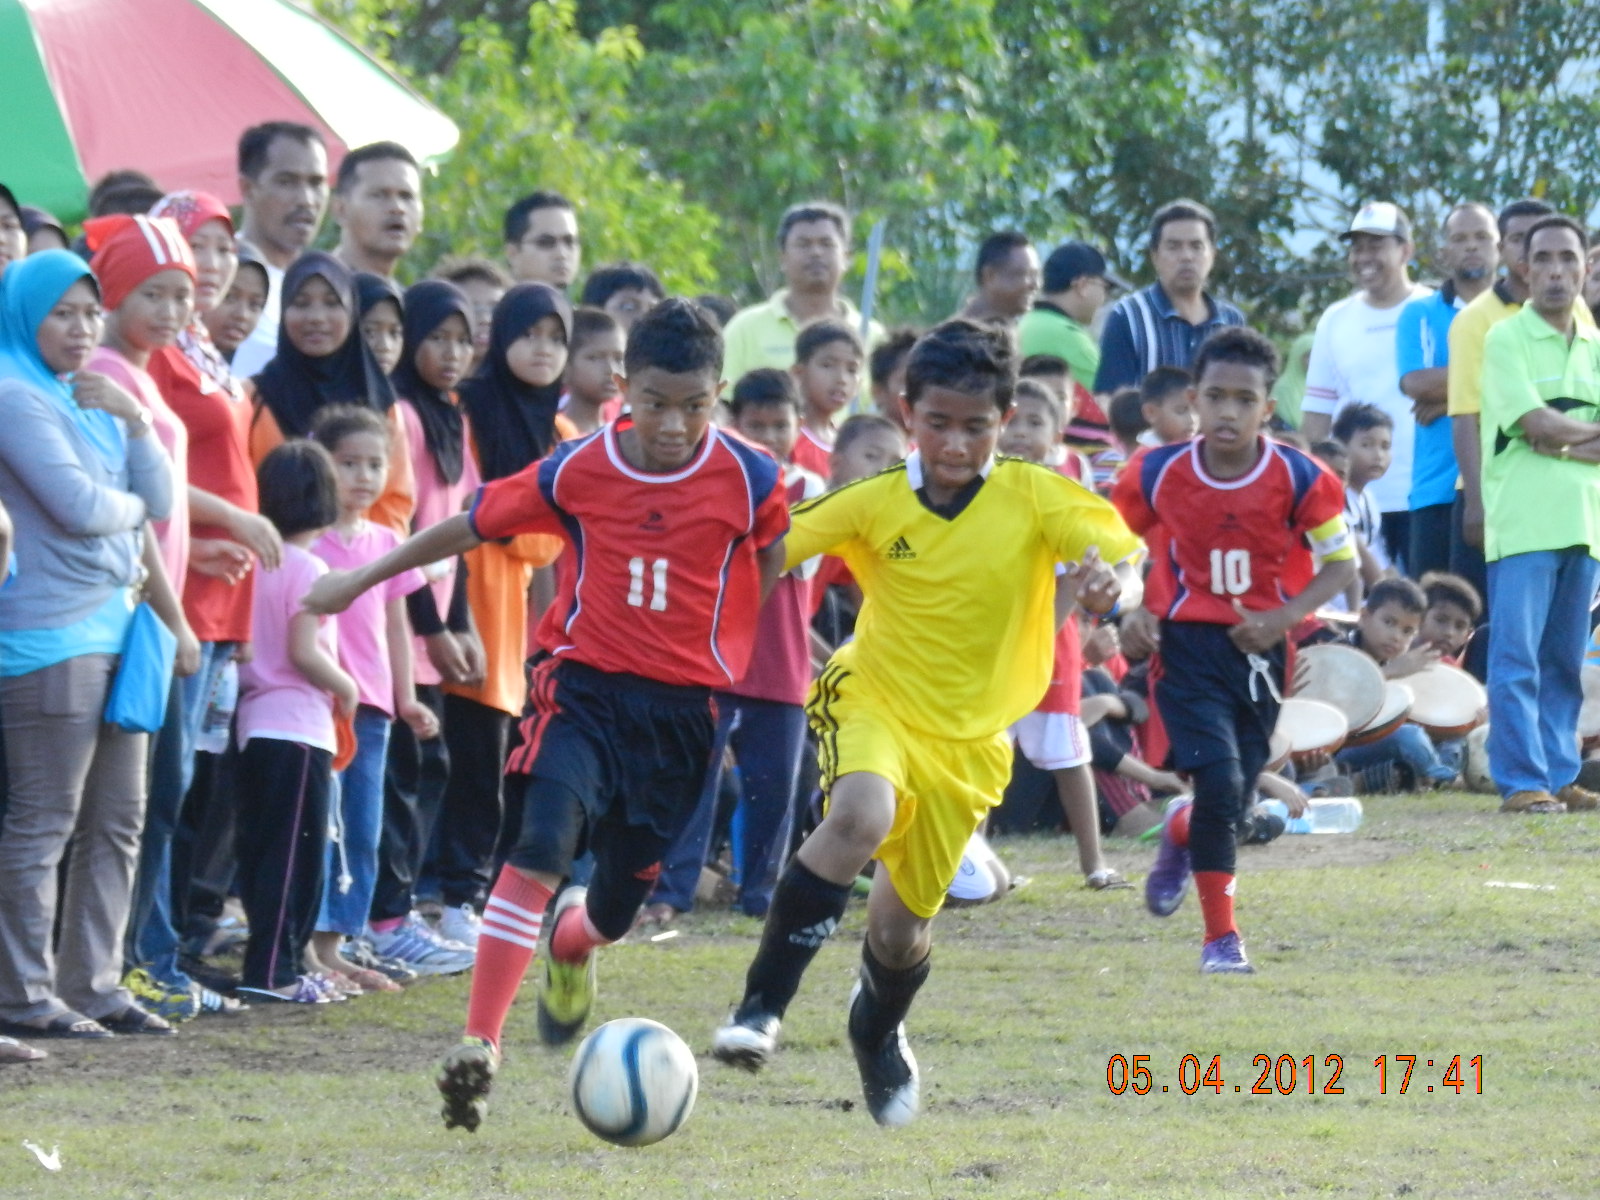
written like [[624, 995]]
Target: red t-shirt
[[662, 580], [1065, 691], [780, 664], [812, 453], [1228, 539], [218, 421]]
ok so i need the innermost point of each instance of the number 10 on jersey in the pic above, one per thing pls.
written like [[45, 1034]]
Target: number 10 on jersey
[[658, 584], [1230, 572]]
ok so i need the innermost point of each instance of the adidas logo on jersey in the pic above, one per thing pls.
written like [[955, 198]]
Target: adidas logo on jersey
[[900, 550], [814, 935]]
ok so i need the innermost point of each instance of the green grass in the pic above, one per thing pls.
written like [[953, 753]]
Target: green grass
[[1383, 942]]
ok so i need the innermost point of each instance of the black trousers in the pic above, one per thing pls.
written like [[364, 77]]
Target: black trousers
[[1396, 528], [413, 793], [1430, 540], [282, 839], [461, 852], [1467, 561]]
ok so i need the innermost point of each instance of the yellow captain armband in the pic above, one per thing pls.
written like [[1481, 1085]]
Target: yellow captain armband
[[1332, 541]]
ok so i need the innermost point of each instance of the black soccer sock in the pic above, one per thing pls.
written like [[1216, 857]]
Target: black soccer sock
[[805, 911], [885, 998]]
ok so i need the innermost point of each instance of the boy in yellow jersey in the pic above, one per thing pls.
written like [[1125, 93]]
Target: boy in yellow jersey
[[955, 550]]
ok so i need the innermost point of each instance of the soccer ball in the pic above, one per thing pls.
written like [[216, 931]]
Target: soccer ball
[[633, 1082], [1475, 769]]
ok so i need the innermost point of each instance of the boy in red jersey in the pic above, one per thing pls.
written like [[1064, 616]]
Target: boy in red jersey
[[1235, 508], [675, 532]]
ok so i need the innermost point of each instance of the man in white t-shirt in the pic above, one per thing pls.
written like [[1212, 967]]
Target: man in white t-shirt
[[1353, 354], [283, 177]]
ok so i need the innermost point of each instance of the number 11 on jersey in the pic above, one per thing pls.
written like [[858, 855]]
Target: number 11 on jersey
[[658, 584], [1230, 572]]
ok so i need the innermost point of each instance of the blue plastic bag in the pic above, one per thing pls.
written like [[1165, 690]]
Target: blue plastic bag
[[138, 698]]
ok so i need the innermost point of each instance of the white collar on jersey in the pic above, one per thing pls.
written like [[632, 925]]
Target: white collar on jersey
[[914, 469]]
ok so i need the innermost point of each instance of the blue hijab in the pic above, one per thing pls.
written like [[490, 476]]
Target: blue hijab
[[28, 291]]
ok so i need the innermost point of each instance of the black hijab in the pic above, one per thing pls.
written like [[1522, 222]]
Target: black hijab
[[296, 386], [427, 306], [514, 423], [372, 290]]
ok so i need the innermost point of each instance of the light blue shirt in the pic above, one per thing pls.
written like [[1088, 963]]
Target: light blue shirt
[[1422, 340]]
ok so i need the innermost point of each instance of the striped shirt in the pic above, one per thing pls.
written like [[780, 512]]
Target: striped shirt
[[1144, 331]]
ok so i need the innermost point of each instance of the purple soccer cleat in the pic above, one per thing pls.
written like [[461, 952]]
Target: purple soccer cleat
[[1168, 881]]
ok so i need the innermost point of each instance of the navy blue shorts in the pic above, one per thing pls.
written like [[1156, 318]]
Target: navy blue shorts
[[1214, 702]]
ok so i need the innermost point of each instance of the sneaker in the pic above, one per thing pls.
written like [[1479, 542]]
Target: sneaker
[[460, 923], [1260, 826], [565, 991], [416, 944], [210, 1003], [170, 1003], [465, 1077], [430, 910], [306, 991], [1168, 881], [889, 1078], [747, 1041], [358, 952], [1225, 956]]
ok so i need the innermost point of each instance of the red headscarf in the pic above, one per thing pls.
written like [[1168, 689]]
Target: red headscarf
[[129, 249], [191, 210]]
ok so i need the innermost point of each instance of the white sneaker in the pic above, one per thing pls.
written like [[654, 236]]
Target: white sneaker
[[461, 924], [415, 943], [746, 1042]]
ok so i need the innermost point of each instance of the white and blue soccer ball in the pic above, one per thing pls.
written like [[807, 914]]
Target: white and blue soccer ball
[[633, 1082]]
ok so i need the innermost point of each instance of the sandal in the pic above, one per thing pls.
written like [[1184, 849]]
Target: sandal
[[135, 1020], [211, 1003], [13, 1051], [1105, 879], [305, 990], [66, 1025]]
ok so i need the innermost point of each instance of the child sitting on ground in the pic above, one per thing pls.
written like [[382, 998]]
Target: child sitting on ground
[[827, 367], [1454, 608], [1386, 631]]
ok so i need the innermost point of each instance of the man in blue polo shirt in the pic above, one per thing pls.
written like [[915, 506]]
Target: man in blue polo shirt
[[1468, 258], [1163, 325]]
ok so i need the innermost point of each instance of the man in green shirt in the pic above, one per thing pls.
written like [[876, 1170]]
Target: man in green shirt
[[1540, 423], [814, 249], [1074, 287]]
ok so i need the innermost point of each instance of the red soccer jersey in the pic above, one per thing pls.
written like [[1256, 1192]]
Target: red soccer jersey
[[663, 581], [1229, 539], [812, 453]]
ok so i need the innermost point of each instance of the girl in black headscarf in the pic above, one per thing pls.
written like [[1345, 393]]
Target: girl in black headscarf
[[513, 399], [381, 309], [322, 360], [434, 358]]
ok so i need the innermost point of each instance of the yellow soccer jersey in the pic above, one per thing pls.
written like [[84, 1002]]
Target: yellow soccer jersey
[[958, 623]]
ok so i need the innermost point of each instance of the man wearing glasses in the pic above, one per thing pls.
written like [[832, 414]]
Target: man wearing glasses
[[542, 244]]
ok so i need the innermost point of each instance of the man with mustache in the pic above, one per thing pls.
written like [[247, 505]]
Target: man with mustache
[[283, 179], [377, 204], [814, 249], [1163, 325]]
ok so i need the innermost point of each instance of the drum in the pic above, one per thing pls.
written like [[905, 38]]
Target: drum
[[1397, 701], [1311, 726], [1447, 702], [1343, 677], [1278, 748]]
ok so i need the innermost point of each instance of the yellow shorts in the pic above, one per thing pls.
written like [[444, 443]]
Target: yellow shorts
[[942, 787]]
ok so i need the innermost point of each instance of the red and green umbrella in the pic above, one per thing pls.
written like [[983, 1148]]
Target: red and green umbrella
[[167, 86]]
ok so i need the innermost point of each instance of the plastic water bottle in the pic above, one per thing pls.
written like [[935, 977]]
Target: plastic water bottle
[[1333, 814], [218, 718]]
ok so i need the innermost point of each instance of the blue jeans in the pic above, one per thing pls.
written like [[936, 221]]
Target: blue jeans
[[152, 940], [1541, 605], [355, 811], [1410, 745], [768, 738]]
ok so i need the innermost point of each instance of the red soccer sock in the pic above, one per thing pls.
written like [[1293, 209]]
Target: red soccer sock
[[1178, 825], [506, 943], [1215, 889], [574, 938]]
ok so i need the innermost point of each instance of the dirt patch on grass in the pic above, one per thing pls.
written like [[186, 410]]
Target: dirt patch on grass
[[1294, 852]]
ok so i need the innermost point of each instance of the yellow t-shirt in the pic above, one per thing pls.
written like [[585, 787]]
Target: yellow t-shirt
[[958, 625], [1467, 334]]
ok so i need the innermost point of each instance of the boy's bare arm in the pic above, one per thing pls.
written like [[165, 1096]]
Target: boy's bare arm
[[335, 591]]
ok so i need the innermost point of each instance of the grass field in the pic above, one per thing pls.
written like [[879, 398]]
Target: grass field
[[1391, 941]]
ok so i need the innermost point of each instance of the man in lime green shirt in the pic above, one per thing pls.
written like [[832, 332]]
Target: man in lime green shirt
[[1074, 288], [1540, 424], [814, 247]]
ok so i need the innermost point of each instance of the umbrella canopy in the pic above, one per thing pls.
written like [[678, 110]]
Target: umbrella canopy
[[167, 87]]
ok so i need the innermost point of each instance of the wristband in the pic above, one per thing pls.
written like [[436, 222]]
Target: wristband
[[1116, 607]]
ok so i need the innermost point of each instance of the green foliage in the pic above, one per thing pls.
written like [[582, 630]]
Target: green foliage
[[1059, 117]]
